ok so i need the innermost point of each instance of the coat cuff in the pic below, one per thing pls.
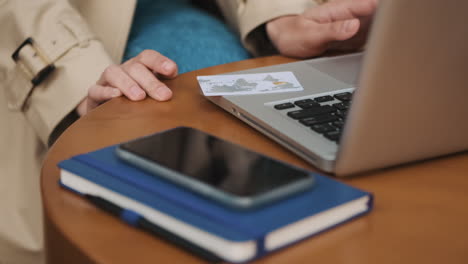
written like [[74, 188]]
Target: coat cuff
[[255, 13], [55, 98]]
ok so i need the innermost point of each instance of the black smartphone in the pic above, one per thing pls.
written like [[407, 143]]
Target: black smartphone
[[215, 168]]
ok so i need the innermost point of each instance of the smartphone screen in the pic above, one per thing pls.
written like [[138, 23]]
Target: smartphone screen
[[222, 165]]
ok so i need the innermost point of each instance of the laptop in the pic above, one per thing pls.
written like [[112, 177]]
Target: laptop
[[404, 99]]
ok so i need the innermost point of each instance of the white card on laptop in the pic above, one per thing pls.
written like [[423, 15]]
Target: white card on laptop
[[244, 84]]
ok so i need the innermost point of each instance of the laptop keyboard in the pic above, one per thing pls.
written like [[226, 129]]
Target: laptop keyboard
[[323, 114]]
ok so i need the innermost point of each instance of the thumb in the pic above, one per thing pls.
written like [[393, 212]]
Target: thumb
[[339, 30], [322, 35], [98, 94]]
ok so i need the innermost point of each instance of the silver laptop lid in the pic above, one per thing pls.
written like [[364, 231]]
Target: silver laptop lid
[[411, 100]]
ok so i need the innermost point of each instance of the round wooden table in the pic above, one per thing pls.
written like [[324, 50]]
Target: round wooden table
[[420, 213]]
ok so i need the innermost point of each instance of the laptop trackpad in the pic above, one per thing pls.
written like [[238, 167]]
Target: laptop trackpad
[[343, 68]]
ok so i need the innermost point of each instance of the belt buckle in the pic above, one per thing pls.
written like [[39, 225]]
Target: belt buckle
[[41, 74]]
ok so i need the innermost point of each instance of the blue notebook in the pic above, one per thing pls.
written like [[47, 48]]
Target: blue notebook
[[232, 235]]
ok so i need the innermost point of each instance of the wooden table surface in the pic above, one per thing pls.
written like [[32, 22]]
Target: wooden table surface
[[420, 213]]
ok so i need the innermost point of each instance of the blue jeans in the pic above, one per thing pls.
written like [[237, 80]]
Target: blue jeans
[[191, 37]]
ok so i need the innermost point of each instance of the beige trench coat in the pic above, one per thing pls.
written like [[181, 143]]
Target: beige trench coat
[[80, 38]]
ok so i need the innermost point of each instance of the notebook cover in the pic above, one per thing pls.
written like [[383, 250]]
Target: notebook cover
[[104, 168]]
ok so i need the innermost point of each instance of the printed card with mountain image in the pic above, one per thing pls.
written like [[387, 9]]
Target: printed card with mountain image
[[244, 84]]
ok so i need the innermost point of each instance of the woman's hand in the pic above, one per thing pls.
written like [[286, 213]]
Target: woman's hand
[[135, 78], [338, 25]]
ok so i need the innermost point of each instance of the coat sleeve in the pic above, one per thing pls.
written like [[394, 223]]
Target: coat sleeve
[[60, 37], [247, 17]]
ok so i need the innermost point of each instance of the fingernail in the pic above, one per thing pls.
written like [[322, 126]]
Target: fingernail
[[116, 93], [163, 93], [137, 92], [167, 66], [350, 25]]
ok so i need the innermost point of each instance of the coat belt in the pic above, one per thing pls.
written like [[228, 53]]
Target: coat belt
[[36, 56]]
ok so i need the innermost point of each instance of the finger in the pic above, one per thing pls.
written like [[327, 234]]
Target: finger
[[157, 63], [148, 81], [324, 34], [116, 77], [356, 42], [98, 94], [341, 10]]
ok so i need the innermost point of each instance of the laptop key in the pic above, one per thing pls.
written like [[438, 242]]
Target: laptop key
[[343, 96], [342, 114], [341, 106], [308, 105], [284, 106], [318, 110], [333, 135], [319, 119], [303, 101], [322, 99], [323, 128], [338, 124]]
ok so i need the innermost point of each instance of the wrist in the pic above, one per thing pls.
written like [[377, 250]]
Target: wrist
[[271, 27], [282, 32]]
